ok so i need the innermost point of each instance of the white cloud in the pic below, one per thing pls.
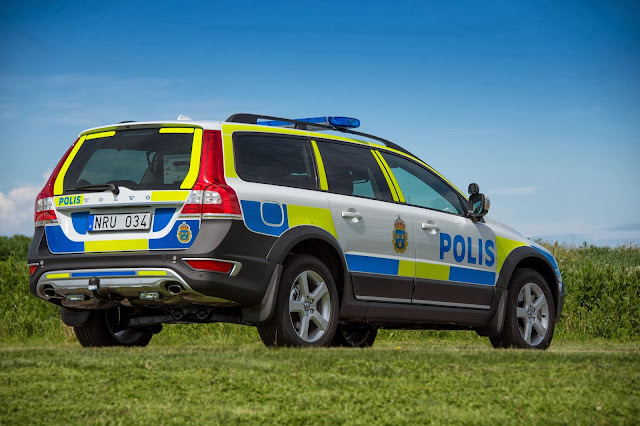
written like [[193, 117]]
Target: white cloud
[[16, 208]]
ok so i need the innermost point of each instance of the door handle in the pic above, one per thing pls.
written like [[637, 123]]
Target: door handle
[[430, 226], [355, 216]]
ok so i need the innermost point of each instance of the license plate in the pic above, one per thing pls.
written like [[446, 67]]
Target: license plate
[[118, 222]]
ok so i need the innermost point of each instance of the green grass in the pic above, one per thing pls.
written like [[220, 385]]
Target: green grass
[[439, 381]]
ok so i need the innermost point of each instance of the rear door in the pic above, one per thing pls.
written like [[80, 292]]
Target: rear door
[[376, 234], [275, 177], [151, 172], [455, 257]]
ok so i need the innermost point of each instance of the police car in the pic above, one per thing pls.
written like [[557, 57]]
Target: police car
[[317, 238]]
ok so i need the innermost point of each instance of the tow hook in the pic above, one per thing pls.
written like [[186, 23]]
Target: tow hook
[[96, 289]]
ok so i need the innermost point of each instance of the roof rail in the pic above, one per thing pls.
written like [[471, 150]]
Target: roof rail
[[302, 125]]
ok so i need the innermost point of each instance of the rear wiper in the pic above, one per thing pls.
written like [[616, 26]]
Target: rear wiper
[[97, 188]]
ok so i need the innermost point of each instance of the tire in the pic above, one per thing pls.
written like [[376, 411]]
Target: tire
[[530, 314], [101, 329], [306, 311], [354, 336]]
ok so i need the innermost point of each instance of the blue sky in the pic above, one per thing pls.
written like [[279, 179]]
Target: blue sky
[[537, 101]]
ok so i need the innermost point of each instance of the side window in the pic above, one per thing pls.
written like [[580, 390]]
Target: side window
[[275, 160], [422, 188], [352, 170]]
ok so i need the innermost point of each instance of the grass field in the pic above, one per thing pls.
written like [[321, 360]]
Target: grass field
[[430, 381], [220, 374]]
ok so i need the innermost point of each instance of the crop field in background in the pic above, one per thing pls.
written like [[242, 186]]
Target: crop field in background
[[603, 299], [220, 374]]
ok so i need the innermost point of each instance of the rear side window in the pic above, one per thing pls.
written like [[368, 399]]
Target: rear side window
[[275, 160], [352, 170], [137, 159]]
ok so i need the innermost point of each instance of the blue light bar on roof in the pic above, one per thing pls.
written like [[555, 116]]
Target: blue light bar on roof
[[347, 122], [342, 122]]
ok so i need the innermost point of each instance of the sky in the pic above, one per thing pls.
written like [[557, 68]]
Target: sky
[[536, 101]]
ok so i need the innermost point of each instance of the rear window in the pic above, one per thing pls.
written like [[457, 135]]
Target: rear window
[[275, 160], [137, 159]]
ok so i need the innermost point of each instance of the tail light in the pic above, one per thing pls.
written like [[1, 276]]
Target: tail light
[[44, 209], [210, 196]]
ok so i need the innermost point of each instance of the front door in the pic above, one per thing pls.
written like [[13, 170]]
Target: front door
[[455, 257]]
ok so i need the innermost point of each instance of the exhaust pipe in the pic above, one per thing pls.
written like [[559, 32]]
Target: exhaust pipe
[[174, 289], [49, 292]]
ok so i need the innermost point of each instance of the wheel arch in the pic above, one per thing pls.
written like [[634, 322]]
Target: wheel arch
[[529, 257], [299, 240], [316, 242]]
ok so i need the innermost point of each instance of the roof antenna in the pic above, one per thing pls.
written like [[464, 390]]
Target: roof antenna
[[183, 117]]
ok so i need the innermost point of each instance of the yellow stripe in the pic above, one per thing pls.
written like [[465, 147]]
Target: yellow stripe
[[394, 194], [229, 161], [340, 138], [230, 128], [152, 273], [505, 246], [100, 135], [432, 271], [169, 195], [177, 130], [196, 149], [58, 186], [385, 172], [116, 245], [407, 268], [52, 276], [102, 129], [393, 179], [316, 216], [321, 172]]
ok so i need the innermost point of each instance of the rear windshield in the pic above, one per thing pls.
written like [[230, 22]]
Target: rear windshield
[[136, 159]]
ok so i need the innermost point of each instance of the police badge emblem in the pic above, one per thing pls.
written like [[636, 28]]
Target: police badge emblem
[[400, 240], [184, 233]]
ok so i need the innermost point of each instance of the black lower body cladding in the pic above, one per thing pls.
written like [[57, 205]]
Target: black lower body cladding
[[220, 239]]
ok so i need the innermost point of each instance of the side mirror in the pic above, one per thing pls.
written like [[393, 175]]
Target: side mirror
[[478, 203]]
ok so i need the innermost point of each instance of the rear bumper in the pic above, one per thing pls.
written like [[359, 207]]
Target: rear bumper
[[126, 274]]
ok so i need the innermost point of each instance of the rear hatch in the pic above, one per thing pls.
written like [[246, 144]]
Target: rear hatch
[[124, 191]]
